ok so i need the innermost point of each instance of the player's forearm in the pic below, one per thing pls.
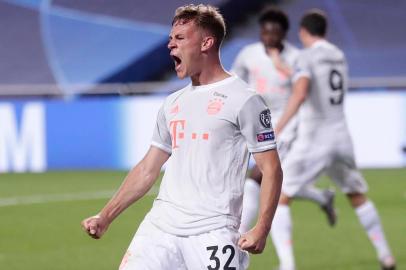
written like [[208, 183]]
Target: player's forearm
[[285, 69], [137, 183], [279, 63], [269, 197], [295, 101]]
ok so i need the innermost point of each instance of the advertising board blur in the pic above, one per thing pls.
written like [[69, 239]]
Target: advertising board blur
[[113, 133]]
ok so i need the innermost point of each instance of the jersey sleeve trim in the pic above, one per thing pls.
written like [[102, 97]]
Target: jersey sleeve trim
[[162, 147], [301, 74], [262, 148]]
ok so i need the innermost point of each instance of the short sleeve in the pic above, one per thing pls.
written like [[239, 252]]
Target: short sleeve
[[254, 120], [239, 67], [301, 67], [161, 137]]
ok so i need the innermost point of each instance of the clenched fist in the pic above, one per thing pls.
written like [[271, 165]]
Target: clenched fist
[[95, 226], [253, 241]]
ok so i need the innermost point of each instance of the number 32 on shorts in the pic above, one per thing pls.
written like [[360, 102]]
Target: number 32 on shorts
[[215, 265]]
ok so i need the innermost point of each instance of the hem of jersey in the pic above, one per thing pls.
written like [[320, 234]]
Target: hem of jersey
[[162, 147], [262, 149], [184, 232]]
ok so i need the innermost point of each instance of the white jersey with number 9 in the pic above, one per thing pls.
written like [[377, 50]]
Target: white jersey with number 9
[[326, 66], [323, 143]]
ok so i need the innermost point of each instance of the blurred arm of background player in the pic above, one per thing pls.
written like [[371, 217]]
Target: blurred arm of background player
[[299, 94], [278, 62], [138, 181], [269, 164]]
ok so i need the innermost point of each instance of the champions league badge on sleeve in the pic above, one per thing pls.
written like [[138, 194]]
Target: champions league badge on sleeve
[[265, 118], [266, 136]]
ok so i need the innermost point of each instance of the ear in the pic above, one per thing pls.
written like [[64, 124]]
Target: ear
[[208, 42]]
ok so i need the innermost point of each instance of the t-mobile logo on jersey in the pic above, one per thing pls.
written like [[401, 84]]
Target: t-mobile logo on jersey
[[177, 128]]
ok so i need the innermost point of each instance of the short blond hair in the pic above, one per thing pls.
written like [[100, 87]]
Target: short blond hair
[[206, 17]]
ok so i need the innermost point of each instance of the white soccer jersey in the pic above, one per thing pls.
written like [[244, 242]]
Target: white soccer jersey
[[326, 67], [208, 130], [323, 143], [256, 67]]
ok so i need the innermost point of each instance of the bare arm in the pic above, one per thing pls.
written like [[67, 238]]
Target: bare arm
[[300, 91], [269, 164], [279, 63], [138, 181]]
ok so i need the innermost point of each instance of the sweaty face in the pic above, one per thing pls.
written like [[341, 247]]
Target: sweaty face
[[272, 35], [184, 44]]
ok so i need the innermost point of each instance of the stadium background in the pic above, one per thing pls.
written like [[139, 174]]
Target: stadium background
[[80, 86]]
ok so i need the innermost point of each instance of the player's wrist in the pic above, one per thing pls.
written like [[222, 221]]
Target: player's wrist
[[261, 229], [104, 218]]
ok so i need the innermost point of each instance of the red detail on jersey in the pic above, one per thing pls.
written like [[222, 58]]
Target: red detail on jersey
[[214, 106], [260, 81], [125, 260], [261, 85], [175, 109], [282, 75], [173, 125], [176, 128]]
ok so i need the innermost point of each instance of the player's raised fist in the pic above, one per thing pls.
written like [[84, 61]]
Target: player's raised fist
[[252, 241], [95, 226]]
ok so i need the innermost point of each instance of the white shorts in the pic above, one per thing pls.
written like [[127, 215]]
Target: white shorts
[[154, 249], [328, 149]]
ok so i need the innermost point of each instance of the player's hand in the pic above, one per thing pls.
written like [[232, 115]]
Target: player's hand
[[253, 241], [95, 226]]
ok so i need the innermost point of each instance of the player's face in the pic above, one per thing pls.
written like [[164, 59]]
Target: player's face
[[184, 44], [272, 35]]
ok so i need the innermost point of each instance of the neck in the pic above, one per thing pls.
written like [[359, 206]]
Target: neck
[[212, 71], [312, 40]]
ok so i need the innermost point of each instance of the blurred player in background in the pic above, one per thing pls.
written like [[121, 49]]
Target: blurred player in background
[[205, 130], [323, 143], [268, 66]]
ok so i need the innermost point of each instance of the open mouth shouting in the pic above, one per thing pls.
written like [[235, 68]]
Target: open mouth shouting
[[178, 61]]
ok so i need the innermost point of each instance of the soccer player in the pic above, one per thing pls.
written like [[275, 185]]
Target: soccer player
[[323, 143], [205, 131], [267, 66]]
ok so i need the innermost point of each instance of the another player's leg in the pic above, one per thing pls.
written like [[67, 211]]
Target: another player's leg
[[300, 170], [281, 233], [370, 220], [352, 183], [251, 199], [324, 198]]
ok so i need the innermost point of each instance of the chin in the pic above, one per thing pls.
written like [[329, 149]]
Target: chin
[[181, 75]]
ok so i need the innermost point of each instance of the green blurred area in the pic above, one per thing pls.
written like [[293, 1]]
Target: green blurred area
[[47, 235]]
